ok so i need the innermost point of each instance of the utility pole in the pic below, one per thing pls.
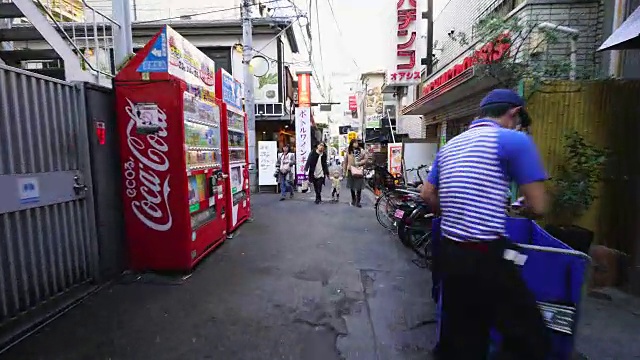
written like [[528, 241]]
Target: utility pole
[[249, 101], [122, 37], [429, 37], [135, 11]]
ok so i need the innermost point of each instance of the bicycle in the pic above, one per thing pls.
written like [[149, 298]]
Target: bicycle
[[415, 231], [392, 195]]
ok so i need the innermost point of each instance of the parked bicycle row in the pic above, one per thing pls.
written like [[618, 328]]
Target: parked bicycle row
[[400, 209]]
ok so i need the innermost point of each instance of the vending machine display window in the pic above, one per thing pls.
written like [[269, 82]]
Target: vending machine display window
[[202, 151], [201, 133], [236, 136]]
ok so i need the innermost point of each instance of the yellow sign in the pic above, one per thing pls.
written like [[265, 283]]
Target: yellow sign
[[352, 135], [66, 10]]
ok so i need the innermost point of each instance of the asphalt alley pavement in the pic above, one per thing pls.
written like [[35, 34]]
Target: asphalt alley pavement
[[302, 281]]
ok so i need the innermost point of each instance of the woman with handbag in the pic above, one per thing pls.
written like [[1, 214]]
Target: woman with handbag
[[353, 166], [284, 171]]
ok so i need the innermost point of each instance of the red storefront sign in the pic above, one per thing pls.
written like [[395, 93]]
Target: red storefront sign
[[304, 89], [407, 71], [353, 104], [489, 53]]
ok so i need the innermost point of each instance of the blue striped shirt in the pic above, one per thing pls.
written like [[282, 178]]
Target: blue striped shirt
[[472, 174]]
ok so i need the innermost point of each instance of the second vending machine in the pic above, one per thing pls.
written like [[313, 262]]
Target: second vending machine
[[234, 149]]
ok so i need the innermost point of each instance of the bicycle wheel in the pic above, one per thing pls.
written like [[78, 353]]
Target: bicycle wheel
[[421, 245], [385, 208]]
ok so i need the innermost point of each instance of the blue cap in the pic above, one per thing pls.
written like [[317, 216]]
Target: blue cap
[[502, 96], [507, 96]]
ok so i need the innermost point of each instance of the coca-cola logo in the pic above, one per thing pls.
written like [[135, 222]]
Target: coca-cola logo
[[146, 171]]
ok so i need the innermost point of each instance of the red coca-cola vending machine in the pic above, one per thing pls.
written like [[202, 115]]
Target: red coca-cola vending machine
[[169, 122], [234, 149]]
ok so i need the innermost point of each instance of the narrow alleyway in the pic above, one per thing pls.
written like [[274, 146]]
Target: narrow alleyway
[[300, 282]]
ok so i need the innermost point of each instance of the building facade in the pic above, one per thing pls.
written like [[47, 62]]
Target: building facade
[[221, 40], [447, 99]]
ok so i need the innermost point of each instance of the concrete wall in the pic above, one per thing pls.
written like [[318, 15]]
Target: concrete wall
[[583, 15], [412, 125], [458, 15]]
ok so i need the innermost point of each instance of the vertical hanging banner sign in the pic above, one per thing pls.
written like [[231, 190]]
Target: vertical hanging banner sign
[[353, 103], [406, 69], [303, 140], [304, 89]]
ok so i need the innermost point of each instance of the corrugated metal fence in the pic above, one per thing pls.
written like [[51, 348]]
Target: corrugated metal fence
[[607, 113], [47, 231]]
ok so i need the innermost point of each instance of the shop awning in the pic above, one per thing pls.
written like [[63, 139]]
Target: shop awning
[[627, 36], [468, 82]]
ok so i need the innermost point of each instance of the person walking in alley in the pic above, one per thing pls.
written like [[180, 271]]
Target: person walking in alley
[[353, 166], [285, 168], [317, 169], [481, 285], [336, 178]]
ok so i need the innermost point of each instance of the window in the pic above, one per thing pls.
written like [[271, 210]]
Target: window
[[220, 55], [502, 9]]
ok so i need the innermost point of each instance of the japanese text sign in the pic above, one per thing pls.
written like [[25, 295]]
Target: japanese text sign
[[303, 140], [173, 54], [231, 90], [406, 70], [491, 52], [353, 103]]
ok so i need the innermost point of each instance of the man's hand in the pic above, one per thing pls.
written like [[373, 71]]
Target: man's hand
[[429, 193]]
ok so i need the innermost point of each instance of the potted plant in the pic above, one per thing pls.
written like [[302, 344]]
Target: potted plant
[[574, 190]]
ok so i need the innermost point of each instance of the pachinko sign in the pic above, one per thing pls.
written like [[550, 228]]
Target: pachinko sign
[[303, 140], [146, 171], [173, 54], [406, 69]]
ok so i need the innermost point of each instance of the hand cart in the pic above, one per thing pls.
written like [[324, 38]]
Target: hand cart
[[556, 275]]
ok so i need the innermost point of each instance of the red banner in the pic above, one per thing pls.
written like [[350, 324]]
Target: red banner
[[353, 104], [304, 90]]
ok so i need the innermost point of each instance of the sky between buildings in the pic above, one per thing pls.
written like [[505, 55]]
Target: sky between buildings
[[358, 36]]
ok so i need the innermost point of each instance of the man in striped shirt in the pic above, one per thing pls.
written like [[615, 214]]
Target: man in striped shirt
[[469, 183]]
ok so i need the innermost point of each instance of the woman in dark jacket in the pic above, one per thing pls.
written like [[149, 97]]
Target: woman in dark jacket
[[317, 172]]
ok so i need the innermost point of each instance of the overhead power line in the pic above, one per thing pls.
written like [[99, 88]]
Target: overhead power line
[[335, 20], [309, 48], [324, 81], [199, 13]]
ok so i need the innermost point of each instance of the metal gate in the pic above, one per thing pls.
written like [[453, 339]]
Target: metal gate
[[48, 249]]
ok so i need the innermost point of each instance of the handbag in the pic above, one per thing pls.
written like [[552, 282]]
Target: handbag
[[357, 171], [305, 186]]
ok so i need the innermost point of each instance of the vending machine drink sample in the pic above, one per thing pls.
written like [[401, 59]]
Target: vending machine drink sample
[[169, 121], [234, 149]]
